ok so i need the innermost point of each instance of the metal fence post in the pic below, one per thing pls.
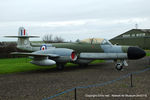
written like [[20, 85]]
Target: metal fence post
[[149, 60], [131, 80], [75, 94]]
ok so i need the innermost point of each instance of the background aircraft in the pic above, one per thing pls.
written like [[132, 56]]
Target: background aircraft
[[81, 53]]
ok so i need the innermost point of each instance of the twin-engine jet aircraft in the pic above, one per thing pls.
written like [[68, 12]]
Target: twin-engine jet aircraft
[[81, 53]]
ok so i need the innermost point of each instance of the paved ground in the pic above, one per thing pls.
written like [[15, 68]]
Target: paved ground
[[37, 85]]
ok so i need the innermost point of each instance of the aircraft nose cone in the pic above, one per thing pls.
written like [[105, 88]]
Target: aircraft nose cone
[[135, 53]]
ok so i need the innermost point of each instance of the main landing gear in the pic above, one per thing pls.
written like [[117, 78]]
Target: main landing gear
[[60, 66], [121, 64], [83, 65]]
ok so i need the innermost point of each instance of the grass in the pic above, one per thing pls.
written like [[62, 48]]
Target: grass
[[14, 65], [18, 65], [147, 52], [97, 61]]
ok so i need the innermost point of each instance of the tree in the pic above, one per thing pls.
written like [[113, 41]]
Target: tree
[[77, 40], [58, 39], [48, 38]]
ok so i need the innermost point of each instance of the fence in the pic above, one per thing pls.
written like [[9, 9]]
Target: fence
[[98, 85]]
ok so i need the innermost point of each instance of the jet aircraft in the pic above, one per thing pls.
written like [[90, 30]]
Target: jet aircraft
[[81, 53]]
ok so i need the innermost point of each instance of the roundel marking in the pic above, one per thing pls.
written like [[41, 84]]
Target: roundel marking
[[43, 47]]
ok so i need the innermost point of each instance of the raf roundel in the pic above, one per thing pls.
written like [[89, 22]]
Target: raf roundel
[[43, 47]]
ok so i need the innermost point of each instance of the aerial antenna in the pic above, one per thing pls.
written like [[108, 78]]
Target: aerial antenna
[[136, 26]]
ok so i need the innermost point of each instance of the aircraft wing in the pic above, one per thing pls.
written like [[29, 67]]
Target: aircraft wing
[[35, 54]]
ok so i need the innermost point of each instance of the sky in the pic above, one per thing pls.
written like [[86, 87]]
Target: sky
[[73, 19]]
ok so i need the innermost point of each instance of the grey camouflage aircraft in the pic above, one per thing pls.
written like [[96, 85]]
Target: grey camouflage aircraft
[[81, 53]]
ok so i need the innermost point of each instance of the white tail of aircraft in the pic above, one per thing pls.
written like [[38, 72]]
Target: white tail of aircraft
[[22, 32], [23, 39]]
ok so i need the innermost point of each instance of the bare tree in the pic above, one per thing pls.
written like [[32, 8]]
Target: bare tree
[[77, 40], [58, 39], [47, 38]]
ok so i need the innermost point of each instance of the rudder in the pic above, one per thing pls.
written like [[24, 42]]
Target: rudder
[[22, 32]]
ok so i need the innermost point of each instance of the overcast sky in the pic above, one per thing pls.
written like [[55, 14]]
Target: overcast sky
[[73, 19]]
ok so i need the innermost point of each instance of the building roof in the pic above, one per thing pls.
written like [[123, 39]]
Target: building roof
[[133, 31], [144, 30]]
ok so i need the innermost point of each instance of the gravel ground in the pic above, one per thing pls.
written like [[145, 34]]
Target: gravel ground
[[40, 84]]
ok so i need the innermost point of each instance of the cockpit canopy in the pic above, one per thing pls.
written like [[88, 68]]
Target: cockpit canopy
[[106, 42], [100, 41]]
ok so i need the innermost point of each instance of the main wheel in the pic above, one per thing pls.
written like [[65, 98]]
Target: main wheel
[[60, 66], [119, 66], [83, 65]]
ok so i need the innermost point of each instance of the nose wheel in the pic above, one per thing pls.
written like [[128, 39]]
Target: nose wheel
[[120, 65]]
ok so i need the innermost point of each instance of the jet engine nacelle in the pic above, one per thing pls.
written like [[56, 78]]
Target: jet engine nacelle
[[65, 55], [43, 62]]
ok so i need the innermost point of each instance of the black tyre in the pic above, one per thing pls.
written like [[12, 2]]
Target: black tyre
[[83, 65], [60, 66], [119, 66]]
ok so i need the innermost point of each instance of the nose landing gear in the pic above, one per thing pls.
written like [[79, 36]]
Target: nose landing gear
[[121, 64]]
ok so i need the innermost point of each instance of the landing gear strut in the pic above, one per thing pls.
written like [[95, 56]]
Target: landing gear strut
[[60, 66], [121, 64]]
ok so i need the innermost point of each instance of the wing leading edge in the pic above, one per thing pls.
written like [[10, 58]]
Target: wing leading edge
[[35, 54]]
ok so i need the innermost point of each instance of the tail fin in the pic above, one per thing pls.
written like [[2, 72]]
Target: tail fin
[[23, 42], [22, 32]]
